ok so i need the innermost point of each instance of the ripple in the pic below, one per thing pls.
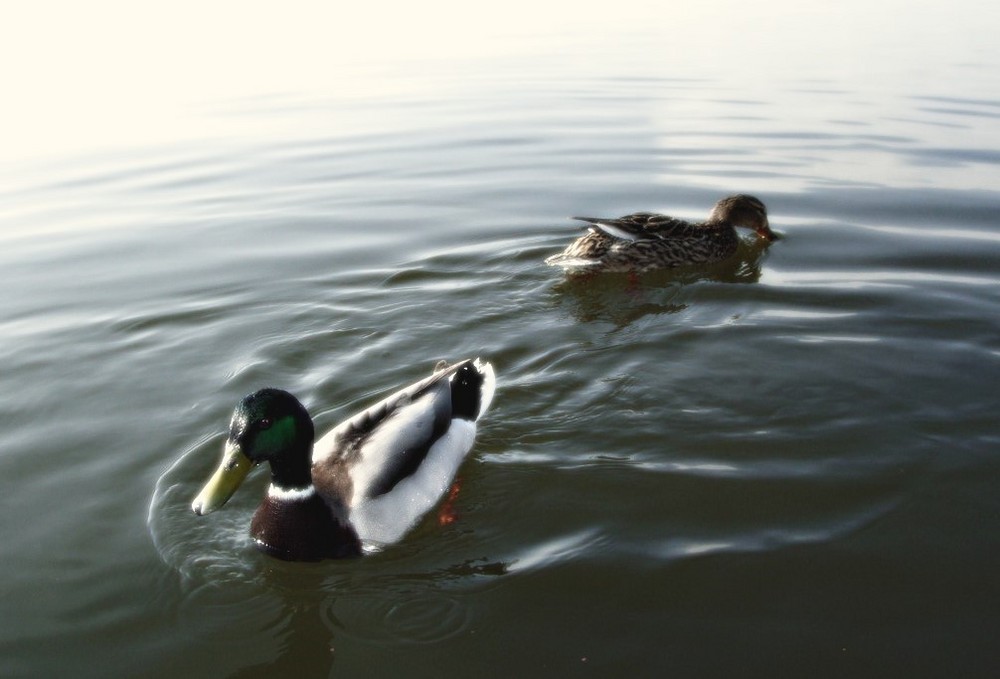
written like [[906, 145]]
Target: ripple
[[857, 280], [557, 550], [405, 618], [832, 339], [215, 549], [764, 539], [944, 235]]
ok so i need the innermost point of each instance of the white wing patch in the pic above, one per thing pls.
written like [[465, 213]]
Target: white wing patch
[[326, 445], [571, 262], [386, 518], [616, 232], [408, 427]]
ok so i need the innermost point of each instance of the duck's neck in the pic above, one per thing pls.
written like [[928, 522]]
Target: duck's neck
[[293, 471], [290, 494], [293, 522]]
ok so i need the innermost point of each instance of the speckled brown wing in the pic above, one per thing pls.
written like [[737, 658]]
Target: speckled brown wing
[[643, 225]]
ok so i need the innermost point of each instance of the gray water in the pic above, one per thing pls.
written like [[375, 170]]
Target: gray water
[[785, 465]]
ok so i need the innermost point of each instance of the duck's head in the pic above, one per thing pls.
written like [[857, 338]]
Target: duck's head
[[271, 426], [746, 211]]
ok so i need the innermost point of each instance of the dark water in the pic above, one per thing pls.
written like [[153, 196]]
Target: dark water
[[784, 465]]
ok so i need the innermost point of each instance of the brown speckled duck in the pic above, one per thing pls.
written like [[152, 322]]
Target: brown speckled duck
[[644, 241]]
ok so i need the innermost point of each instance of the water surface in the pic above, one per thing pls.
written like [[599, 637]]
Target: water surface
[[785, 464]]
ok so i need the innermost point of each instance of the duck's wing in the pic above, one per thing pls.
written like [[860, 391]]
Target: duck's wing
[[387, 442], [401, 422], [630, 227], [640, 226], [391, 463]]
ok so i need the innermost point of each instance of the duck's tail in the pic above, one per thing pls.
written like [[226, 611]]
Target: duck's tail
[[472, 389]]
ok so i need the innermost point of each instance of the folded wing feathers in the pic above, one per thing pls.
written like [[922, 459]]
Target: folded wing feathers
[[615, 231], [642, 226], [355, 429], [571, 262]]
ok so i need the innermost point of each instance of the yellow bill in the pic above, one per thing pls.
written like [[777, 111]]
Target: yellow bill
[[227, 478]]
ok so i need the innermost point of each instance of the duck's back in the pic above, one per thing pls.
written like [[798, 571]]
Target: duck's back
[[643, 241], [391, 463]]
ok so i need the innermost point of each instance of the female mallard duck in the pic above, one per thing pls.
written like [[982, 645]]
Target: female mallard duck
[[643, 241], [369, 479]]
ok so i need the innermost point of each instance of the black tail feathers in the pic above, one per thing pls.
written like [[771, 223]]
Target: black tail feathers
[[466, 392]]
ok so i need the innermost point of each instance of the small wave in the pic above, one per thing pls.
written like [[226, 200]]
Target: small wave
[[406, 618], [556, 550], [762, 539]]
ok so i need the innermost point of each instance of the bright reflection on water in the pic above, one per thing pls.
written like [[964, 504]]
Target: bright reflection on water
[[783, 464], [111, 74]]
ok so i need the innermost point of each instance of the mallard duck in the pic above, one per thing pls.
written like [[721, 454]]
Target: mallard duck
[[369, 479], [644, 240]]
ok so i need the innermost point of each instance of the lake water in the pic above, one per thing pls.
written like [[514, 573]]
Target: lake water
[[786, 465]]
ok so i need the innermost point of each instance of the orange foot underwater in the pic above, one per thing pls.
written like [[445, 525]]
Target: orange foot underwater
[[447, 514]]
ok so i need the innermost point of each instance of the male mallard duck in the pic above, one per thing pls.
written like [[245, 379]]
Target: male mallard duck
[[644, 241], [369, 479]]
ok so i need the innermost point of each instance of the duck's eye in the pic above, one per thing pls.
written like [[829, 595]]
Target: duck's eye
[[264, 423]]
